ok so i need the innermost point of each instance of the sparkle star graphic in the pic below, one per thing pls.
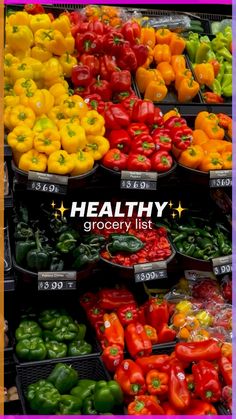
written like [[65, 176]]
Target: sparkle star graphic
[[53, 204], [170, 204], [56, 214], [173, 214], [180, 209], [62, 209]]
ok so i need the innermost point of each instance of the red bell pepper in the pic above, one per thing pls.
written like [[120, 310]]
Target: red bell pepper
[[158, 121], [141, 54], [127, 59], [120, 81], [143, 111], [179, 395], [114, 331], [111, 299], [121, 96], [81, 75], [174, 360], [141, 315], [227, 397], [82, 91], [92, 62], [157, 313], [137, 341], [116, 117], [200, 408], [99, 329], [151, 333], [102, 88], [191, 384], [226, 370], [145, 405], [207, 384], [128, 104], [224, 121], [107, 66], [143, 145], [92, 101], [88, 42], [157, 383], [127, 314], [136, 129], [216, 66], [112, 357], [130, 377], [211, 97], [166, 334], [131, 32], [87, 300], [154, 362], [162, 139], [114, 159], [96, 26], [169, 410], [181, 137], [161, 161], [138, 162], [34, 9], [120, 139], [175, 121], [75, 17], [95, 314], [113, 42], [208, 350]]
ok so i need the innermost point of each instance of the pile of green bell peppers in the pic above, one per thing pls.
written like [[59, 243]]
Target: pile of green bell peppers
[[55, 335], [63, 393]]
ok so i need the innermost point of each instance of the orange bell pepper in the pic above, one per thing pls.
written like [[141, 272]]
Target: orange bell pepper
[[230, 127], [148, 37], [162, 53], [228, 146], [192, 156], [149, 59], [151, 333], [224, 120], [177, 44], [167, 72], [212, 161], [213, 131], [144, 77], [163, 36], [204, 73], [227, 160], [173, 112], [178, 63], [226, 349], [114, 331], [188, 89], [205, 116], [199, 137], [181, 75], [212, 146], [156, 91]]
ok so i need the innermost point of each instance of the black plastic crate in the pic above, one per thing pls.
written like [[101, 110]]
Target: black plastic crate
[[88, 367]]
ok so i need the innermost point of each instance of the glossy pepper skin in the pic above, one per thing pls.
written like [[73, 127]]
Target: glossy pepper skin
[[179, 395], [92, 62], [131, 32], [78, 348], [175, 121], [166, 334], [114, 332], [21, 250], [157, 382], [116, 117], [70, 405], [201, 408], [226, 370], [63, 377], [161, 161], [111, 299], [145, 405], [208, 350], [102, 88], [136, 129], [43, 397], [81, 75], [120, 81], [120, 139], [124, 243], [107, 395], [138, 162], [127, 59], [181, 137], [137, 341], [88, 407], [143, 112], [112, 356], [31, 349], [38, 258], [127, 314], [65, 329], [130, 377], [206, 377], [56, 349], [28, 329], [84, 388], [143, 145], [157, 313], [162, 139], [154, 362]]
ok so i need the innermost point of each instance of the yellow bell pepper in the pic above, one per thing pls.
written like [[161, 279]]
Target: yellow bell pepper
[[9, 60], [23, 85], [97, 145], [145, 76], [61, 163], [21, 115], [62, 122], [62, 24], [43, 123], [148, 37], [73, 137], [36, 66], [11, 100], [39, 52], [47, 141], [74, 106], [162, 53], [93, 123], [6, 117], [41, 102], [19, 37], [70, 43], [33, 160], [204, 318], [156, 91], [56, 115], [22, 54], [149, 59], [19, 18], [52, 70], [58, 90], [40, 21], [67, 62], [8, 86], [204, 73], [84, 162], [43, 37], [53, 40], [22, 70], [184, 306], [20, 139]]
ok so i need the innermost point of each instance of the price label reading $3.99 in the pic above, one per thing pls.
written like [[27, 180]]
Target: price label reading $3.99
[[150, 271], [56, 281]]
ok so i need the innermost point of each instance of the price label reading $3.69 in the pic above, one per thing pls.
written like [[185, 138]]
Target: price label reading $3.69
[[138, 180], [45, 182]]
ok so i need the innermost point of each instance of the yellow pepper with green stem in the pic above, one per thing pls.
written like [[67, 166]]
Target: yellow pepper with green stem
[[33, 160], [47, 141], [73, 137], [84, 162], [19, 37], [97, 146], [60, 162], [21, 139], [93, 123]]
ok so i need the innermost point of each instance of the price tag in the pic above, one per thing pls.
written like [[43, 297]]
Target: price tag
[[194, 275], [45, 182], [222, 265], [220, 178], [138, 180], [56, 281], [150, 271]]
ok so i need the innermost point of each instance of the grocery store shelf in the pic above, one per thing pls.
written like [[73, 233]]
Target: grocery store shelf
[[9, 283], [8, 200], [7, 151]]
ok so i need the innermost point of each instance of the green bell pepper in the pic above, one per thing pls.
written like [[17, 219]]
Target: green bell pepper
[[31, 349], [56, 349], [47, 318], [64, 377], [85, 254], [38, 259], [81, 330], [22, 249], [78, 348], [48, 336], [65, 329], [124, 243], [66, 242], [43, 397], [70, 405], [23, 232], [28, 329], [88, 407], [107, 395], [84, 388], [56, 265]]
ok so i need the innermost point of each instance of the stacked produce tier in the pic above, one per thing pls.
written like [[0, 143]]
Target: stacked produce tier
[[118, 211]]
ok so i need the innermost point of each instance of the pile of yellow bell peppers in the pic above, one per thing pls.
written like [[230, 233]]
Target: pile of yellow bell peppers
[[49, 130]]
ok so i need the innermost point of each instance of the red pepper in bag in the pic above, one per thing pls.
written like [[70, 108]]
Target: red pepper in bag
[[102, 88], [116, 117], [120, 81], [145, 405], [127, 314], [200, 408], [114, 159], [175, 121], [141, 53], [143, 145], [206, 378], [130, 377], [138, 162], [137, 341], [92, 62], [157, 383], [112, 357], [136, 129], [131, 32], [154, 362], [181, 137], [143, 111], [226, 370], [179, 395], [88, 300], [157, 312], [81, 75], [120, 139], [127, 59], [95, 314], [88, 42], [162, 139], [107, 66], [208, 350], [166, 334], [111, 299]]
